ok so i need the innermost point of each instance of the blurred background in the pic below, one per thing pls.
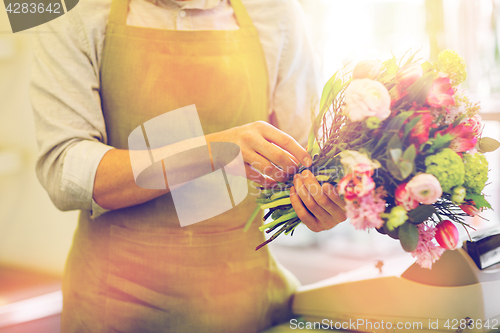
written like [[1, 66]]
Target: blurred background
[[35, 237]]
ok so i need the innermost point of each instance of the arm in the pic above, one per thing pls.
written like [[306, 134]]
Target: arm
[[269, 155], [76, 167], [64, 93]]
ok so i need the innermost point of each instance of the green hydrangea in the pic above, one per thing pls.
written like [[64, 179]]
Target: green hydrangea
[[476, 172], [453, 65], [447, 167], [396, 218]]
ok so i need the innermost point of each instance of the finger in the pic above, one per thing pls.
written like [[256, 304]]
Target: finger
[[320, 197], [317, 211], [331, 192], [265, 166], [302, 213], [278, 156], [295, 161], [288, 143], [255, 176]]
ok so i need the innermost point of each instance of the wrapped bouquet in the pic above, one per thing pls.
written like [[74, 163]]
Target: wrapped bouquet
[[402, 144]]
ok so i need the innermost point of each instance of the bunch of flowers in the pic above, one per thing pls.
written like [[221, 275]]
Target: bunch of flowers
[[402, 145]]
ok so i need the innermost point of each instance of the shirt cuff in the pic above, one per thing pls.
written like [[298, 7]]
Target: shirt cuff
[[80, 166], [97, 210]]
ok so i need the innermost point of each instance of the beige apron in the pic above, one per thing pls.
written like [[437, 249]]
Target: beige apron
[[136, 269]]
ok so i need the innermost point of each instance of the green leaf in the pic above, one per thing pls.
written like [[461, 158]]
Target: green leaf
[[314, 149], [386, 79], [394, 169], [382, 142], [427, 66], [458, 120], [398, 121], [390, 66], [407, 164], [440, 142], [410, 125], [419, 91], [330, 92], [408, 236], [410, 154], [400, 165], [311, 140], [406, 168], [421, 213], [394, 143], [488, 144], [392, 233], [479, 200]]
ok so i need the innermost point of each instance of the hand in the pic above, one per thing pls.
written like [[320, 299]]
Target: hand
[[319, 207], [269, 154]]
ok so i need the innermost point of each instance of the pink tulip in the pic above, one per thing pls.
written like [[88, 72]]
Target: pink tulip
[[447, 235], [470, 208], [408, 75]]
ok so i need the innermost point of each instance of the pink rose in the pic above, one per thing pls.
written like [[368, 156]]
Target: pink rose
[[367, 98], [403, 198], [367, 69], [447, 235], [425, 188], [441, 93], [408, 75]]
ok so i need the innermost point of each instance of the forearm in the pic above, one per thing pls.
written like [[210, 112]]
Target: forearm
[[268, 154], [115, 186]]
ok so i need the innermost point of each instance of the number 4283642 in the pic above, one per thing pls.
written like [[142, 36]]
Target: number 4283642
[[24, 8], [470, 323]]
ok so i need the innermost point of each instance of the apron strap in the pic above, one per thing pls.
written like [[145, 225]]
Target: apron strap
[[118, 12], [241, 13]]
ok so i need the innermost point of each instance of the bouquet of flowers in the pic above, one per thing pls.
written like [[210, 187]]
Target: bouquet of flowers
[[401, 143]]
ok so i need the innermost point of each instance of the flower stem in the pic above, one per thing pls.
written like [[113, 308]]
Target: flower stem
[[251, 218]]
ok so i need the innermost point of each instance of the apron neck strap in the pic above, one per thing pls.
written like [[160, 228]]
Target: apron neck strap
[[119, 11], [241, 13]]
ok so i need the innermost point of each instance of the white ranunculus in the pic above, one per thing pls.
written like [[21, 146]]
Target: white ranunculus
[[354, 161], [366, 98]]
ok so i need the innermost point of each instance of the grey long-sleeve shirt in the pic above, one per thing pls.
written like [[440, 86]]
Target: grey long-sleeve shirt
[[70, 127]]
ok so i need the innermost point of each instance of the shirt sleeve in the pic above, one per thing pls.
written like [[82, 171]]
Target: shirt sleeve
[[295, 97], [70, 129]]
